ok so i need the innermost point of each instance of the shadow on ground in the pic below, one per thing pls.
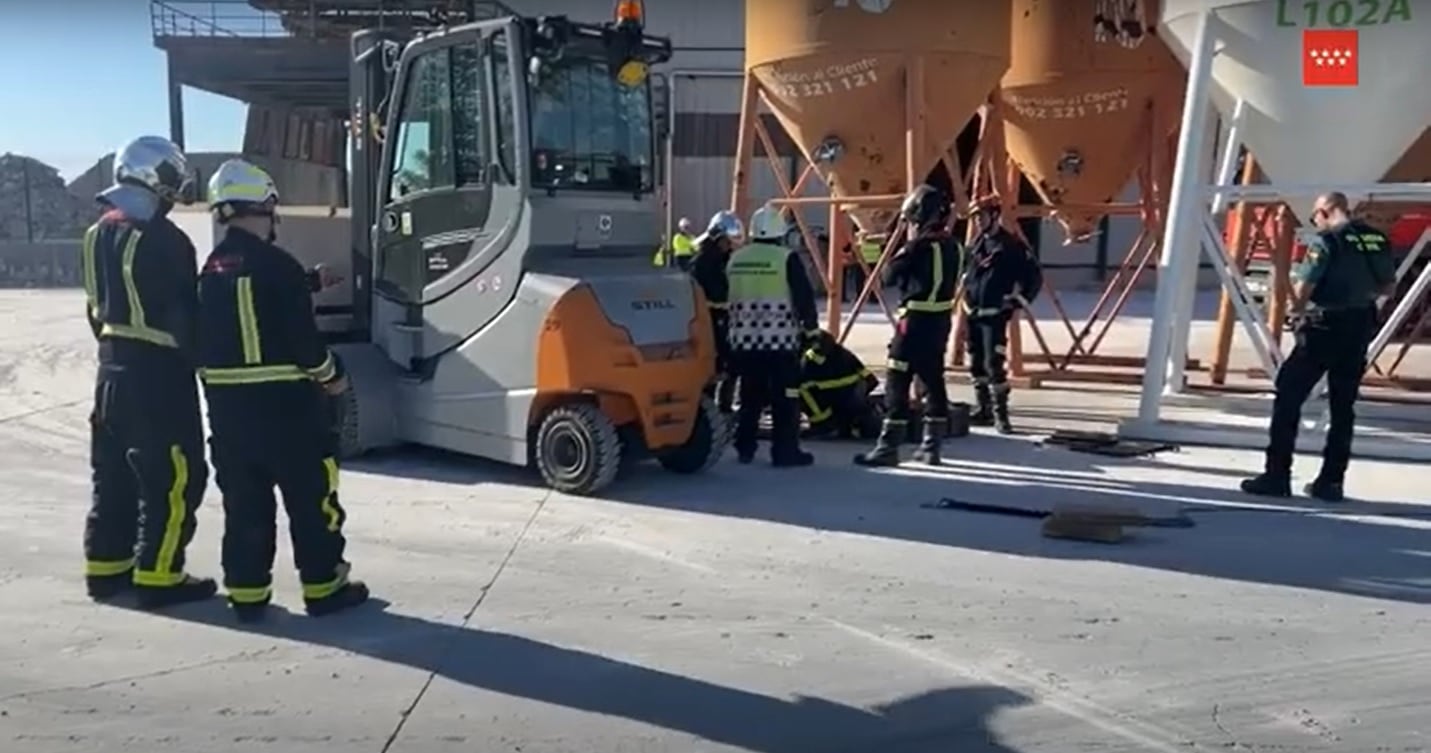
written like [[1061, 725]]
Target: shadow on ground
[[1362, 548], [953, 718]]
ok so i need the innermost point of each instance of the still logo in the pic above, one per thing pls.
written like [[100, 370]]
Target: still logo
[[1330, 57]]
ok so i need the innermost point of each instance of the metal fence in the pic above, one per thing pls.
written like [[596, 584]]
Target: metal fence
[[217, 18], [52, 264], [308, 18]]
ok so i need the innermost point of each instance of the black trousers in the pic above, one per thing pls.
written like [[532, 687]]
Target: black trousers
[[147, 461], [277, 435], [768, 378], [917, 351], [723, 390], [987, 341], [1333, 345]]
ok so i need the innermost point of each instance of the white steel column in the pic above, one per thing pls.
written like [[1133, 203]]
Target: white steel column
[[1186, 205]]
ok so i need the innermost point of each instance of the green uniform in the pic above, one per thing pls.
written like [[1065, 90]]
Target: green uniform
[[1349, 267]]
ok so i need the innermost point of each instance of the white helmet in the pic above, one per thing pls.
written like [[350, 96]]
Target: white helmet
[[768, 224], [240, 187], [158, 165]]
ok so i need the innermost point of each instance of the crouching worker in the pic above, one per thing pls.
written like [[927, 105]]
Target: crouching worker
[[835, 389], [265, 374]]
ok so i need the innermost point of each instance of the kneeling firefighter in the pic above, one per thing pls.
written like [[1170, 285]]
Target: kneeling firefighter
[[835, 389], [1002, 275], [265, 374], [926, 271], [772, 316], [713, 250]]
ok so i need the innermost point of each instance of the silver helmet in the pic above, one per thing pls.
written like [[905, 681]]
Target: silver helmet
[[727, 224], [156, 164]]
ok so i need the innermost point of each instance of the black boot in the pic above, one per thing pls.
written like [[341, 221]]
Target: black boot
[[886, 450], [190, 589], [249, 611], [983, 415], [1326, 491], [108, 587], [793, 459], [350, 595], [1268, 485], [930, 445], [1001, 410]]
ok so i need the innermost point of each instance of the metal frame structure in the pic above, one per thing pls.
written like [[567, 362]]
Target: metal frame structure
[[1191, 231], [990, 172], [1082, 363], [830, 269]]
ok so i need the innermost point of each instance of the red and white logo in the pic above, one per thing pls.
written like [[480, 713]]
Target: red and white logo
[[1330, 57]]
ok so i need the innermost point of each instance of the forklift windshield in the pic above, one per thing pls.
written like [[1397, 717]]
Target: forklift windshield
[[589, 131]]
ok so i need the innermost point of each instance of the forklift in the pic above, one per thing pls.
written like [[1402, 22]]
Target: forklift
[[501, 302]]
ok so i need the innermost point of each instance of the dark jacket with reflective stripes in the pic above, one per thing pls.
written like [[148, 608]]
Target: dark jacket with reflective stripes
[[926, 271], [708, 270], [997, 263], [139, 282], [256, 311]]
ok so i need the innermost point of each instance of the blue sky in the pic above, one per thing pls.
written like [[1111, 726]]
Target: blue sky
[[90, 78]]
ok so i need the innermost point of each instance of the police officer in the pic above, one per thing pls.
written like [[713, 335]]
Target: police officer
[[772, 316], [147, 441], [834, 388], [1347, 267], [713, 251], [1001, 275], [265, 374], [926, 272]]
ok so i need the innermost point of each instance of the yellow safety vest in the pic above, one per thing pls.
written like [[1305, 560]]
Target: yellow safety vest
[[871, 252]]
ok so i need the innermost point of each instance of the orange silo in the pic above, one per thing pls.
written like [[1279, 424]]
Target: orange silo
[[833, 72], [1084, 79]]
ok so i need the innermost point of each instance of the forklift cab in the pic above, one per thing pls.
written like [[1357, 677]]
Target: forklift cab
[[471, 125]]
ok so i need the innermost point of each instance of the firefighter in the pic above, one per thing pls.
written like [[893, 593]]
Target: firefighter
[[1002, 275], [713, 250], [265, 374], [1334, 304], [147, 440], [926, 272], [835, 387], [772, 316]]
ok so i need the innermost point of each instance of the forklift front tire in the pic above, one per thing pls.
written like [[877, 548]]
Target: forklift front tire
[[578, 449]]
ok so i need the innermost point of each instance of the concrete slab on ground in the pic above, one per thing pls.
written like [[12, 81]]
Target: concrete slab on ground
[[750, 609]]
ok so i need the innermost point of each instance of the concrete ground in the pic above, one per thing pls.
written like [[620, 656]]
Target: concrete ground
[[821, 610]]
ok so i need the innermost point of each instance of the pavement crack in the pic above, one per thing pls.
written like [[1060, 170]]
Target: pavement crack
[[466, 620], [240, 656]]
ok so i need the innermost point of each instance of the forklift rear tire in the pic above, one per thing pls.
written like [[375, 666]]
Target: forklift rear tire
[[578, 449], [709, 439]]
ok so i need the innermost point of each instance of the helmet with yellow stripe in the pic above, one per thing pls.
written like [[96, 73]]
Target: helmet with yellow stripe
[[240, 188]]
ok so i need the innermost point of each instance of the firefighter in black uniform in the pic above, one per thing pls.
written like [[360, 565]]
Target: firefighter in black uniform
[[772, 317], [713, 250], [265, 374], [1346, 269], [835, 388], [1001, 275], [926, 271], [147, 440]]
